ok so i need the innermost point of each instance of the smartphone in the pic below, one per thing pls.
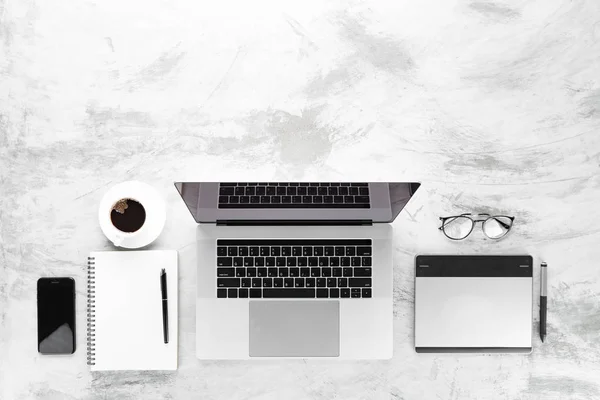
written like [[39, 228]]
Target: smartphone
[[56, 315]]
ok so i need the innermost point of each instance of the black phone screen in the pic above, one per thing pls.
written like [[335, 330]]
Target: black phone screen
[[56, 315]]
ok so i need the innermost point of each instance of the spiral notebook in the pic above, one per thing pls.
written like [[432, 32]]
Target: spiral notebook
[[125, 326]]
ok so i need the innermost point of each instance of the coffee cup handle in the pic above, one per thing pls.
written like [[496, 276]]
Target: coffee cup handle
[[118, 240]]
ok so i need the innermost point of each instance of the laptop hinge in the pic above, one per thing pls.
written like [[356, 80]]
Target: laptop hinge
[[293, 222]]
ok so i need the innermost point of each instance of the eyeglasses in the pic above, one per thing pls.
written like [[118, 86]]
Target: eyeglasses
[[459, 227]]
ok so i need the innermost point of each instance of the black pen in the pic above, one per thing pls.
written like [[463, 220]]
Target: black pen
[[165, 304], [543, 299]]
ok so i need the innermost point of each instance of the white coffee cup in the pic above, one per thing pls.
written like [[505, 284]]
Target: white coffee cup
[[154, 207]]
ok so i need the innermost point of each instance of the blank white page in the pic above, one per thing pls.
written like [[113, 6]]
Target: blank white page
[[128, 310]]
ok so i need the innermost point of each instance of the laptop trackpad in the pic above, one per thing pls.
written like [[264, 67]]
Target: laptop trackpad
[[294, 329]]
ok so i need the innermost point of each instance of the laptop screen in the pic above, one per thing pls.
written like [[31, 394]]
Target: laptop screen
[[210, 202]]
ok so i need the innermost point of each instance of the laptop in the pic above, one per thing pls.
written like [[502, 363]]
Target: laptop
[[294, 269]]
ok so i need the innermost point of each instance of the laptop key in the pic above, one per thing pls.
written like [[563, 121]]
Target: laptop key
[[345, 261], [275, 251], [334, 293], [286, 251], [302, 261], [278, 282], [299, 282], [221, 293], [243, 293], [262, 272], [221, 251], [283, 272], [318, 251], [270, 261], [280, 261], [288, 293], [254, 251], [226, 191], [361, 199], [296, 251], [240, 272], [344, 293], [310, 282], [228, 282], [232, 293], [360, 272], [321, 282], [339, 251], [355, 293], [350, 251], [246, 282], [291, 261], [256, 282], [243, 252], [329, 251], [334, 261], [232, 251], [304, 272], [295, 272], [323, 262], [363, 251], [366, 261], [337, 272], [264, 251], [356, 261], [359, 282], [313, 261], [342, 282], [224, 261], [306, 251], [322, 293], [347, 272], [239, 191], [331, 282], [238, 261], [250, 272], [248, 262], [255, 293], [272, 272], [259, 261], [267, 282], [315, 272], [288, 282], [366, 293], [326, 272]]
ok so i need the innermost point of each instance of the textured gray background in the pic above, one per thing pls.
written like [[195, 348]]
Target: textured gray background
[[495, 106]]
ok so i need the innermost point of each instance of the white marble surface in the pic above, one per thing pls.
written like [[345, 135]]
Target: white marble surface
[[493, 105]]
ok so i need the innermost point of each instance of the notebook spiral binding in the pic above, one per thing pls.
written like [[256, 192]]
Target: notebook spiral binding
[[91, 311]]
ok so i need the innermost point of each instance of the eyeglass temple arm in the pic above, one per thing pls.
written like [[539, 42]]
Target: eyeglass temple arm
[[504, 225]]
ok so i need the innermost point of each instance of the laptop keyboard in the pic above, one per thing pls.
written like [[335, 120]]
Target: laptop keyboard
[[294, 268], [294, 195]]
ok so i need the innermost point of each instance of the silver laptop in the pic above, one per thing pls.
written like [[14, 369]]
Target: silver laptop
[[294, 269]]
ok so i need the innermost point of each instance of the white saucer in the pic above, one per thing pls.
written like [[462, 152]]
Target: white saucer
[[155, 214]]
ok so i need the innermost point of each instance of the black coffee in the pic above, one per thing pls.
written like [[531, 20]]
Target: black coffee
[[128, 215]]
